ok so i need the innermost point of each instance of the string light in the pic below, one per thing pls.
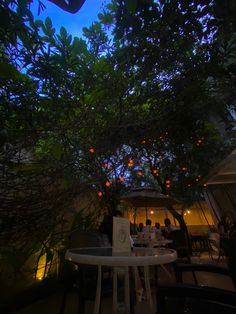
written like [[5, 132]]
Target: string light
[[200, 141], [130, 163], [91, 150], [121, 179], [108, 184], [167, 184], [100, 194]]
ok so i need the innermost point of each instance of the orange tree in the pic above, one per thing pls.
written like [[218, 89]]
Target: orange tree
[[98, 112]]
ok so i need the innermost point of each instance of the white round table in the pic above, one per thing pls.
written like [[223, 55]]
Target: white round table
[[139, 256]]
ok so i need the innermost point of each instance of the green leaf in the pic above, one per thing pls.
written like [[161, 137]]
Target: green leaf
[[79, 46], [38, 23], [63, 32], [22, 7], [57, 151], [8, 71], [105, 18], [131, 5], [102, 66], [34, 167], [48, 23]]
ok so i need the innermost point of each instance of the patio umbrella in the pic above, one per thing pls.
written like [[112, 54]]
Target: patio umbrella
[[148, 197]]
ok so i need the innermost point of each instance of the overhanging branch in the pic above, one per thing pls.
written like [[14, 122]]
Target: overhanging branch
[[71, 6]]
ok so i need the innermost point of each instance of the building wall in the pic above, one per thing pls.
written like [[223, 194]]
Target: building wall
[[198, 217]]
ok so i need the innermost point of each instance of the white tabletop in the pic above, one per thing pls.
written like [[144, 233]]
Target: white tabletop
[[139, 256]]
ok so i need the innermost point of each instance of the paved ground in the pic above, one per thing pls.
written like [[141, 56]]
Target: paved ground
[[52, 304]]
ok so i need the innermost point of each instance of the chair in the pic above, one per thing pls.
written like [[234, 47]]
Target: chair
[[200, 244], [180, 244], [204, 274], [184, 298], [215, 247], [84, 277], [232, 258]]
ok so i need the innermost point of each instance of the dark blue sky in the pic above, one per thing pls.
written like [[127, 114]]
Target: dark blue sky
[[72, 22]]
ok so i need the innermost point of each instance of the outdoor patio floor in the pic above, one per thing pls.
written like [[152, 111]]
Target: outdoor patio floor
[[51, 305]]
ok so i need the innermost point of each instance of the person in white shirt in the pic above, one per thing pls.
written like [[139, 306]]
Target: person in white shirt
[[148, 228], [168, 226]]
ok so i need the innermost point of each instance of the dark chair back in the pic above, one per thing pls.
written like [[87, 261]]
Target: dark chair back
[[204, 274], [180, 243], [83, 277], [232, 259], [183, 298]]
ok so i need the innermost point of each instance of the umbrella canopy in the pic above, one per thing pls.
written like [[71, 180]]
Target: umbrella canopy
[[148, 197], [224, 172]]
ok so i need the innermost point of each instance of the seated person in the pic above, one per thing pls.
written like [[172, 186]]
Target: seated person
[[158, 231], [106, 226], [148, 228], [140, 227], [225, 226], [168, 227], [225, 230]]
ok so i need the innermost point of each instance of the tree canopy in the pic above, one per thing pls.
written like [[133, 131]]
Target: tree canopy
[[145, 97]]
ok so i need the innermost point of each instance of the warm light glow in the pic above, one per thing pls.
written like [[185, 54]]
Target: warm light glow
[[188, 211], [100, 194], [121, 179], [154, 171], [91, 150], [205, 184], [40, 273], [167, 181], [108, 183], [151, 212], [140, 173], [184, 169], [189, 185], [168, 186], [200, 141], [106, 164]]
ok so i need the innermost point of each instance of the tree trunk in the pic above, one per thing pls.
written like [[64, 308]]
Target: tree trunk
[[180, 219]]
